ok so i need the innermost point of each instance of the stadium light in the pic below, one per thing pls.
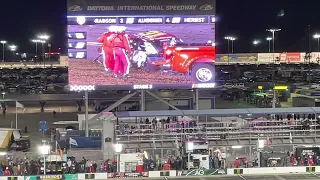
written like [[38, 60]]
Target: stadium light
[[230, 38], [13, 48], [44, 37], [317, 36], [3, 45], [273, 31], [256, 42], [36, 41], [269, 43]]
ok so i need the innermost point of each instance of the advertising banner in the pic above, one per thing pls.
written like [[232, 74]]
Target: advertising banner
[[136, 60], [70, 176], [201, 172], [267, 58], [226, 58], [128, 175], [142, 7], [31, 178], [291, 57], [51, 177], [12, 178], [249, 58], [315, 57]]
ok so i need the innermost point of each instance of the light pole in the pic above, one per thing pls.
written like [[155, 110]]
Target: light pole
[[13, 48], [43, 52], [273, 31], [230, 38], [190, 150], [3, 44], [44, 150], [317, 36], [118, 149], [36, 41], [44, 38], [269, 43]]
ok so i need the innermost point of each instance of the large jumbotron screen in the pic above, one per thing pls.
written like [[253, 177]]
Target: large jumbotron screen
[[172, 42]]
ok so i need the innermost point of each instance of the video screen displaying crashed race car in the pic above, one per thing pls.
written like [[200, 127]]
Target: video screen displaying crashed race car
[[157, 50]]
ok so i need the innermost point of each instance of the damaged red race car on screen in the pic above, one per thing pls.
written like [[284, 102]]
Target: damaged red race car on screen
[[197, 62], [160, 50]]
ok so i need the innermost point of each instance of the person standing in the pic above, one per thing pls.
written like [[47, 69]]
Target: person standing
[[107, 51], [121, 46]]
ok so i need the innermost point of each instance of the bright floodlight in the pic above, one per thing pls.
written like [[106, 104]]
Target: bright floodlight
[[118, 148], [273, 30], [269, 38], [255, 42], [44, 149], [316, 36], [236, 147], [230, 38], [13, 47], [3, 42], [44, 36], [3, 153], [36, 40], [190, 146]]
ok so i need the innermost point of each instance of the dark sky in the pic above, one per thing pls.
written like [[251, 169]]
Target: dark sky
[[245, 19]]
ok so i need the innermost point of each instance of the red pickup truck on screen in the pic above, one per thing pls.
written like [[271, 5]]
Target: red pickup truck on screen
[[197, 62]]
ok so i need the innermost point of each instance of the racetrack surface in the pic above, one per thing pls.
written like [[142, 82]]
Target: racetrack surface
[[88, 73]]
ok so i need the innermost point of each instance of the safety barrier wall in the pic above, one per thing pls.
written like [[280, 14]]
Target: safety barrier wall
[[275, 170], [84, 176], [157, 174], [268, 58]]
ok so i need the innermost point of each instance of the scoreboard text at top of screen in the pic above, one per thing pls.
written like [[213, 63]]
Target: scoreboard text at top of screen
[[141, 20]]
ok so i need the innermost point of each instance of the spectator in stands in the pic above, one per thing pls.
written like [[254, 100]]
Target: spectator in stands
[[154, 124], [171, 161], [168, 123], [318, 160], [91, 168], [178, 164], [15, 170], [7, 172], [54, 114], [237, 163], [178, 127], [95, 166], [88, 164]]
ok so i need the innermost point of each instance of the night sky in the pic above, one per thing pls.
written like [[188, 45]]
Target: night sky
[[247, 20]]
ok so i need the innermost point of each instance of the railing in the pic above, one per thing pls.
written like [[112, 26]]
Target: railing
[[218, 130]]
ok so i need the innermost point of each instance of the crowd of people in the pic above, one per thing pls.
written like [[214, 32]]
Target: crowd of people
[[36, 167], [175, 125], [37, 80]]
